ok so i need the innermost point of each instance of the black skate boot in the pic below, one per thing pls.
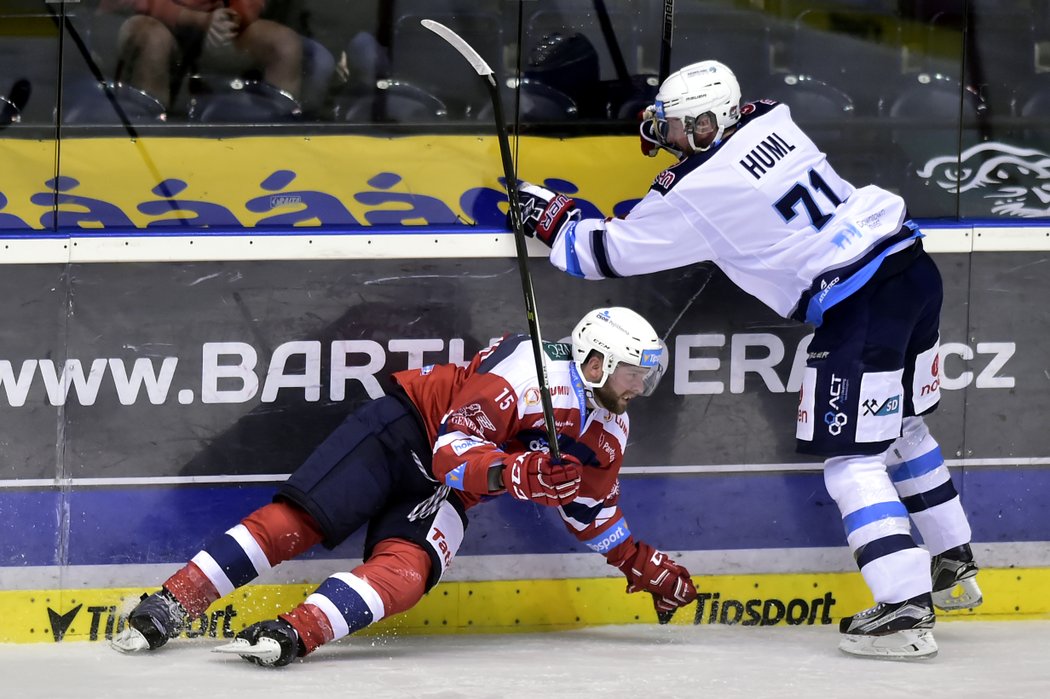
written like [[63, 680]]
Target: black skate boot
[[271, 643], [891, 630], [954, 583], [152, 622]]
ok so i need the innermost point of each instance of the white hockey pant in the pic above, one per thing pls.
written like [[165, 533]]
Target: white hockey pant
[[877, 527], [916, 467]]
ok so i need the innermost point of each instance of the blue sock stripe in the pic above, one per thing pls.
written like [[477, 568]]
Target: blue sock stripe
[[234, 562], [883, 547], [931, 498], [872, 513], [920, 465], [349, 603]]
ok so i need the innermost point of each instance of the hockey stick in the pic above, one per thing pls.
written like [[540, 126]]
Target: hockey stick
[[485, 72], [666, 34]]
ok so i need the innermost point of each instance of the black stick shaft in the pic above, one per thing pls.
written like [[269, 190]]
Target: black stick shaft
[[666, 35], [523, 269]]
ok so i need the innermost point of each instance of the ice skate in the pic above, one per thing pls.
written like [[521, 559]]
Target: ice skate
[[891, 630], [152, 622], [270, 643], [954, 579]]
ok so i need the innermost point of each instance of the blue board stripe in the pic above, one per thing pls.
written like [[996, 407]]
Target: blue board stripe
[[168, 524]]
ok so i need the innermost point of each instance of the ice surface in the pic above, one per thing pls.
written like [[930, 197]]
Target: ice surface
[[977, 659]]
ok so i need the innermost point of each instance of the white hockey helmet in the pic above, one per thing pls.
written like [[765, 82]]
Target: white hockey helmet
[[697, 89], [621, 336]]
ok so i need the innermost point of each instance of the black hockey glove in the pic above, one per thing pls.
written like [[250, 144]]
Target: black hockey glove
[[544, 214]]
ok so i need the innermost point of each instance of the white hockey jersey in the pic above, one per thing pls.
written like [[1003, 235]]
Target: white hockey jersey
[[765, 206]]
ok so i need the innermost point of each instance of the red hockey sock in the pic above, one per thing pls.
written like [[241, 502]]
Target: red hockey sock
[[397, 570], [312, 625], [191, 587], [282, 530]]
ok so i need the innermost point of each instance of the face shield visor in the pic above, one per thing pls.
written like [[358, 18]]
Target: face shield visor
[[644, 377]]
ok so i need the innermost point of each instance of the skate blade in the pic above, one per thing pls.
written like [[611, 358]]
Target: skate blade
[[915, 644], [965, 595], [129, 641], [265, 652]]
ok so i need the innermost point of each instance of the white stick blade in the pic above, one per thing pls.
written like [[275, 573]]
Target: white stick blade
[[460, 45]]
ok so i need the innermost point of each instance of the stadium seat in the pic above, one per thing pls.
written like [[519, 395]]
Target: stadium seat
[[244, 102], [858, 51], [390, 101], [810, 100], [93, 103], [928, 116], [421, 58], [934, 99], [533, 103]]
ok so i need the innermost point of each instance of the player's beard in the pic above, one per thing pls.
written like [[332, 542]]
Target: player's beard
[[609, 399]]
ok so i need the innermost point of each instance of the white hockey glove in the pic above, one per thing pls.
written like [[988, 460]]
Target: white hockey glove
[[544, 213]]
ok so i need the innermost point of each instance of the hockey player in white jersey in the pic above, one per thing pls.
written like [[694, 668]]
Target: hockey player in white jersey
[[753, 194]]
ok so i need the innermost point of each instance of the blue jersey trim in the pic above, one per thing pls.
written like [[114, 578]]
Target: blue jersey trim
[[454, 478], [610, 538], [821, 302], [572, 260]]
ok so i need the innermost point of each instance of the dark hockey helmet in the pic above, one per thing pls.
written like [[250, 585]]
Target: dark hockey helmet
[[566, 62]]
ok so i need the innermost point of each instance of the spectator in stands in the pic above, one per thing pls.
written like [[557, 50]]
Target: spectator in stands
[[166, 39]]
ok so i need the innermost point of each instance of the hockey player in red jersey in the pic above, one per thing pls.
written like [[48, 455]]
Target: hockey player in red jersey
[[753, 194], [445, 438]]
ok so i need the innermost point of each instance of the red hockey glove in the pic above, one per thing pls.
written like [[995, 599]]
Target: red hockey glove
[[649, 140], [649, 569], [544, 213], [532, 476]]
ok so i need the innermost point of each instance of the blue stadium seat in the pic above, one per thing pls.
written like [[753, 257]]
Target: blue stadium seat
[[390, 101], [247, 102], [534, 102], [810, 100], [92, 103]]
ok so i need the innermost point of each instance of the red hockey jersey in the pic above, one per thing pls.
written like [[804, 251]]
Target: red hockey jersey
[[489, 411]]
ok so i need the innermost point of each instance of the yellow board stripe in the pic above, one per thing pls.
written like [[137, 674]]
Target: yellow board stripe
[[523, 605]]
